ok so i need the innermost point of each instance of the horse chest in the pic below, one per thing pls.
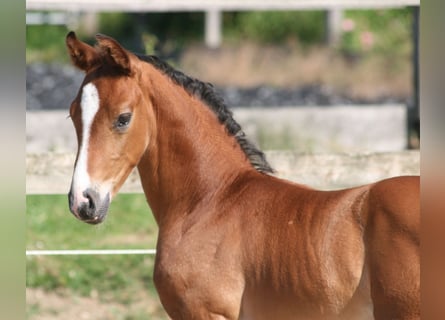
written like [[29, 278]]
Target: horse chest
[[195, 275]]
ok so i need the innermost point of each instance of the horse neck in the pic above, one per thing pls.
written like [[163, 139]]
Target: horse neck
[[191, 157]]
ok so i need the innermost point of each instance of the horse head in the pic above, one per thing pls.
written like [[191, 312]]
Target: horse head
[[110, 117]]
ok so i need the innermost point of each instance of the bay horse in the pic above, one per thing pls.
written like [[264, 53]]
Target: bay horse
[[235, 241]]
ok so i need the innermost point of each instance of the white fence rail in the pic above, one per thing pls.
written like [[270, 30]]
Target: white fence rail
[[212, 9], [49, 173], [201, 5], [89, 252]]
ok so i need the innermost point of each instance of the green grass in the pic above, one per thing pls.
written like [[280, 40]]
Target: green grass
[[50, 225], [117, 278]]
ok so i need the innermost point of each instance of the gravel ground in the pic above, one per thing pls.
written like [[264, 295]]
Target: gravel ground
[[53, 86]]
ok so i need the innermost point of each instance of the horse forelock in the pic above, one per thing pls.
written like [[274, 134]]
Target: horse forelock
[[211, 98]]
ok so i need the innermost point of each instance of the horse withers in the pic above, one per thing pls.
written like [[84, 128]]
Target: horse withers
[[235, 242]]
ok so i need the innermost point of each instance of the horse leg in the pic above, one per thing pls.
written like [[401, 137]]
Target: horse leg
[[393, 250], [395, 283]]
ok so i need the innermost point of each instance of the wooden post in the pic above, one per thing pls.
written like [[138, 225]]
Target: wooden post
[[333, 26], [413, 110], [213, 28], [89, 24]]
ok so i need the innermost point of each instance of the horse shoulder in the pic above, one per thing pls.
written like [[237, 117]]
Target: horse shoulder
[[197, 271], [397, 202], [393, 247]]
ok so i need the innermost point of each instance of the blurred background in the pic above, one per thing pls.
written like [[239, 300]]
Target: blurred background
[[300, 58], [329, 92]]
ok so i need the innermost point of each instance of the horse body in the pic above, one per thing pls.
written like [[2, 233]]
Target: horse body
[[235, 242]]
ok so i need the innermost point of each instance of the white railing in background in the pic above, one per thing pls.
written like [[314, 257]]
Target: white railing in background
[[213, 9], [89, 252], [50, 173], [203, 5]]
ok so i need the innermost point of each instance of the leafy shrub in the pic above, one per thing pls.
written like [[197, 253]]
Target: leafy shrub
[[160, 33], [378, 31], [364, 31], [276, 26], [46, 43]]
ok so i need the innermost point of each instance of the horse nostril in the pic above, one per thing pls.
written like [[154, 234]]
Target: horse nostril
[[91, 204], [87, 209]]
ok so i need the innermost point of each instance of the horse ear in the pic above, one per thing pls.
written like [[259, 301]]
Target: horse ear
[[113, 50], [82, 55]]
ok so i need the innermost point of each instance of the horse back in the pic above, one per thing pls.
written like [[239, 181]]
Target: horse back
[[303, 247], [328, 246]]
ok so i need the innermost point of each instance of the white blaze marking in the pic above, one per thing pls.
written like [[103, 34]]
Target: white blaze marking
[[89, 106]]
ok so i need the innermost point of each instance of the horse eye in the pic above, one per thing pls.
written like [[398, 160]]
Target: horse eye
[[123, 120]]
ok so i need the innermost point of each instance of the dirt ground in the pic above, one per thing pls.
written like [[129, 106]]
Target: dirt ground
[[44, 305], [290, 66]]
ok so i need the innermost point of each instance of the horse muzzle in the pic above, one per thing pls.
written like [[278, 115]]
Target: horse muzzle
[[90, 207]]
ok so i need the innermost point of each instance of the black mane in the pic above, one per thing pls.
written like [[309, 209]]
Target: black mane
[[207, 93]]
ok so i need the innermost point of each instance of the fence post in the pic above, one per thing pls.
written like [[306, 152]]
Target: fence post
[[89, 23], [213, 28], [413, 108], [334, 17]]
